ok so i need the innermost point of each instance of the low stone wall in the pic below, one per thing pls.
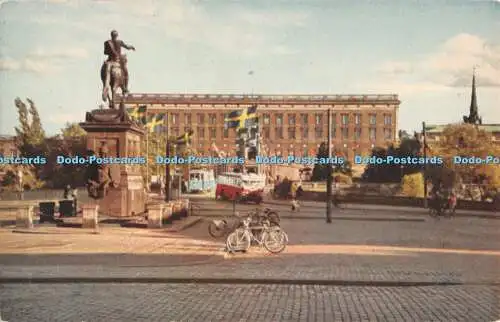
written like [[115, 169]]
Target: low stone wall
[[397, 201]]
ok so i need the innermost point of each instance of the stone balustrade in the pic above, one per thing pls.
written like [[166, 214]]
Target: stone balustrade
[[24, 217], [90, 216]]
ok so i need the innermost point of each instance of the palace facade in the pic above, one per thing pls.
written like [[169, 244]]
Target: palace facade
[[289, 124]]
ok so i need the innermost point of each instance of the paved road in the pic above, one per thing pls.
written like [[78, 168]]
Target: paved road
[[209, 302], [400, 249]]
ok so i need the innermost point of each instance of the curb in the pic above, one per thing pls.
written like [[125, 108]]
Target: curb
[[250, 281], [350, 218]]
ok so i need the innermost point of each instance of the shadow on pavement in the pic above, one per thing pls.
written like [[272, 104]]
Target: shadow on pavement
[[121, 260]]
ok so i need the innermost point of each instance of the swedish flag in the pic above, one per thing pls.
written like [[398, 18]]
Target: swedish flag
[[138, 113], [154, 121], [242, 119], [184, 139]]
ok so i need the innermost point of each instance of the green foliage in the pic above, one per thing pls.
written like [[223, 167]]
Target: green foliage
[[413, 185], [342, 178], [321, 171], [408, 147], [467, 140], [71, 142]]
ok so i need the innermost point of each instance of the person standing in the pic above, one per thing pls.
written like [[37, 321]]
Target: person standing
[[67, 191]]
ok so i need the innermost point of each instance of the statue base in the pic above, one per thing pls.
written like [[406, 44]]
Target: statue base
[[120, 137]]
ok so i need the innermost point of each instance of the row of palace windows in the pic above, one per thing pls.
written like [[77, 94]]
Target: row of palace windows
[[319, 133], [345, 134], [319, 119]]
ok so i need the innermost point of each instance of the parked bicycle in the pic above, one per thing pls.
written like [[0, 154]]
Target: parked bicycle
[[272, 238], [222, 227]]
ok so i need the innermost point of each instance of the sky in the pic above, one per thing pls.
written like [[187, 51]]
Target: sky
[[424, 51]]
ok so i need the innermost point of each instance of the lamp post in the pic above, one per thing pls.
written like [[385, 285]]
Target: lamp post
[[329, 177], [425, 165]]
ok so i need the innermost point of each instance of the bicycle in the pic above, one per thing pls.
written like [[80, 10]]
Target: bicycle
[[221, 227], [273, 238]]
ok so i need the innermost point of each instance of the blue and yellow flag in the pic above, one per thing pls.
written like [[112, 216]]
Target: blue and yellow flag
[[154, 121], [184, 139], [242, 118], [138, 113]]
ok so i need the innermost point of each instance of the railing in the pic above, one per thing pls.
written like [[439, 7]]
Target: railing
[[284, 98]]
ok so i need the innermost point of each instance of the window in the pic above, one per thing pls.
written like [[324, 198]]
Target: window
[[213, 133], [201, 132], [279, 120], [345, 119], [319, 132], [187, 119], [373, 119], [357, 119], [175, 131], [266, 133], [212, 118], [333, 130], [201, 118], [318, 119], [291, 119], [387, 134], [305, 119], [357, 133], [305, 133], [345, 133], [267, 119], [291, 133], [305, 152], [387, 119], [279, 132], [175, 118], [373, 133], [226, 133]]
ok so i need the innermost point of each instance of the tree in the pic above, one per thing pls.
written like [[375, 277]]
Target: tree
[[321, 171], [30, 138], [408, 147], [71, 142], [468, 141]]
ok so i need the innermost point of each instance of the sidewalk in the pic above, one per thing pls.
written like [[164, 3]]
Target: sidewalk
[[107, 240]]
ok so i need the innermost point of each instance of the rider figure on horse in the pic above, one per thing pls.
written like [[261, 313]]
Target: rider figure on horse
[[112, 48]]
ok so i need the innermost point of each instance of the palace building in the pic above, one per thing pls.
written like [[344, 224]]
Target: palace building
[[289, 124]]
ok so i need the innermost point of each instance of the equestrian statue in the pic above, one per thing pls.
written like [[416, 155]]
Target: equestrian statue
[[114, 72]]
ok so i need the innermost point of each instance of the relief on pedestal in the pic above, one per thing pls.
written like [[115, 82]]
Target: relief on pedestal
[[100, 177]]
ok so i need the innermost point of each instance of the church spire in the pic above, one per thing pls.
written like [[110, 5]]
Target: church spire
[[473, 117]]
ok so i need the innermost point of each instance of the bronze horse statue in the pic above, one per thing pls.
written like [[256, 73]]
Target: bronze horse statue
[[116, 81]]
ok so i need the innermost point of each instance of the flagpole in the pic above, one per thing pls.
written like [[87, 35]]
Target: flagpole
[[147, 158]]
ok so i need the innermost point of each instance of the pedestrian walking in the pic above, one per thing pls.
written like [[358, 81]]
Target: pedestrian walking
[[295, 202], [74, 195]]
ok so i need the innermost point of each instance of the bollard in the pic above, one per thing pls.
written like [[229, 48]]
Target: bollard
[[155, 215], [167, 211], [24, 218], [176, 209], [90, 215], [185, 207]]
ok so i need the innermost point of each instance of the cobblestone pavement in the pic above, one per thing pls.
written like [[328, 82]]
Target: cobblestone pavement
[[253, 303]]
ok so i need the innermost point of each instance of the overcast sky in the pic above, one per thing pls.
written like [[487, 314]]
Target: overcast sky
[[51, 52]]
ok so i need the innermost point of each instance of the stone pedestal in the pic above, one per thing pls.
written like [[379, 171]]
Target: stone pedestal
[[122, 138], [90, 216], [185, 207], [24, 218], [155, 215]]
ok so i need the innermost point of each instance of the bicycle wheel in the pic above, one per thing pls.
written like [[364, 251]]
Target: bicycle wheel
[[217, 229], [433, 212], [275, 241], [239, 240]]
